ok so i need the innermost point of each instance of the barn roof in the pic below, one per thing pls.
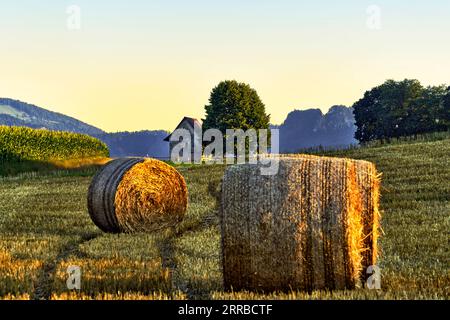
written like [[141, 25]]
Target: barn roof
[[190, 121]]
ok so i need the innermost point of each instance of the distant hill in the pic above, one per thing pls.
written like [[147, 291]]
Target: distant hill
[[311, 128], [18, 113], [120, 144], [140, 143], [301, 129]]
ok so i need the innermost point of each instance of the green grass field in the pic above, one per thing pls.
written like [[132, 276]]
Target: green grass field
[[45, 227]]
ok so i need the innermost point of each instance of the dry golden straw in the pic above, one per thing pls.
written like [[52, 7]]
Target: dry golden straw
[[311, 226], [137, 195]]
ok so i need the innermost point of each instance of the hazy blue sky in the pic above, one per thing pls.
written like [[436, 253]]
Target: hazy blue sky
[[145, 64]]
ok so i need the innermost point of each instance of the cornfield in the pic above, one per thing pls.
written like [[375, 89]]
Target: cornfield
[[22, 143]]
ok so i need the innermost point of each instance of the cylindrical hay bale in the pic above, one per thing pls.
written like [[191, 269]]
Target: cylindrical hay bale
[[368, 180], [369, 183], [137, 195], [301, 228]]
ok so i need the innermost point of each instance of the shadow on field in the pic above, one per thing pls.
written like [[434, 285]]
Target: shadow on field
[[10, 168], [197, 287], [44, 285]]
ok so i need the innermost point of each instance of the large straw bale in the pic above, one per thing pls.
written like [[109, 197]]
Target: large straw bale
[[137, 195], [304, 228]]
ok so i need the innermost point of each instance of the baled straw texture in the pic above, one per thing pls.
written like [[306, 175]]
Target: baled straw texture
[[102, 193], [369, 183], [151, 196], [136, 194], [368, 180], [302, 228]]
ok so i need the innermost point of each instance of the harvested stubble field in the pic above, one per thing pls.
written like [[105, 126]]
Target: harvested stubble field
[[45, 227]]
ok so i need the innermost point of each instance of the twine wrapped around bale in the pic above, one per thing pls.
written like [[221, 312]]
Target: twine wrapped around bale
[[306, 227], [137, 195]]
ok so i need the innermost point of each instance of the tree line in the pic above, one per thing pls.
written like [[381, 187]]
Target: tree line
[[391, 110], [402, 108]]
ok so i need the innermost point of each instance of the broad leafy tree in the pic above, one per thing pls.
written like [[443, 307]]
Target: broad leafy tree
[[234, 105], [444, 115], [402, 108]]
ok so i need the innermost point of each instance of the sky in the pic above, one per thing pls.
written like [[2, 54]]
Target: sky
[[144, 64]]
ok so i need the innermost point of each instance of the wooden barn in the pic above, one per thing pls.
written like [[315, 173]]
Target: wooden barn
[[194, 126]]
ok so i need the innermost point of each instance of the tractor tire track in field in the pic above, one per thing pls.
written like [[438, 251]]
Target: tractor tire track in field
[[44, 284], [200, 292], [167, 253], [168, 257]]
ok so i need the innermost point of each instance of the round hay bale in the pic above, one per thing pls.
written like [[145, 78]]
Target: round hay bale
[[300, 229], [369, 183], [368, 180], [137, 195]]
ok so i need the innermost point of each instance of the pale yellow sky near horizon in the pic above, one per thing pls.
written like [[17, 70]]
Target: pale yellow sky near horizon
[[145, 66]]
